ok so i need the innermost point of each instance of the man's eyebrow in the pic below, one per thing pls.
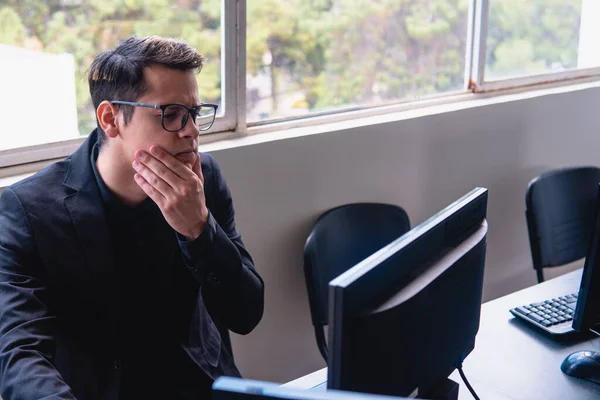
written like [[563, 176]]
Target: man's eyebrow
[[196, 106]]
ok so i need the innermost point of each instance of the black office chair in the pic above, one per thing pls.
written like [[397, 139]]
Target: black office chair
[[560, 207], [340, 238]]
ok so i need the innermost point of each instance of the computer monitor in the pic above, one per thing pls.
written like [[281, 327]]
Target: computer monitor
[[404, 318], [586, 364], [587, 311], [226, 388]]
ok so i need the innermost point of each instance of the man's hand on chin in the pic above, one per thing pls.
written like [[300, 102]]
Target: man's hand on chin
[[175, 188]]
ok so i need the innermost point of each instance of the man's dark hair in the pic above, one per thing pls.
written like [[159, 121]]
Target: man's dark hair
[[118, 74]]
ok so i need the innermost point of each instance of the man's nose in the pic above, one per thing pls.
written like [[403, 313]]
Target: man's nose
[[190, 130]]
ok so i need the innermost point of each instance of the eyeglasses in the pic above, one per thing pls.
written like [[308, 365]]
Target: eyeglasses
[[174, 116]]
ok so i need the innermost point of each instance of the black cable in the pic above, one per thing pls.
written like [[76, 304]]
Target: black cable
[[464, 378]]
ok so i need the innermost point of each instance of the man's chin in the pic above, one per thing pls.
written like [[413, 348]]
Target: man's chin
[[188, 158]]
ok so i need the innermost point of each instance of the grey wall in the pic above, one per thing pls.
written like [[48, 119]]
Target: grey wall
[[422, 164]]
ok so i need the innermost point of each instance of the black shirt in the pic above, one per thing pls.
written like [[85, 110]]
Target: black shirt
[[156, 296]]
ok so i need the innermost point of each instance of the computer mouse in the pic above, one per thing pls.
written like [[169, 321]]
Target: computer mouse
[[583, 365]]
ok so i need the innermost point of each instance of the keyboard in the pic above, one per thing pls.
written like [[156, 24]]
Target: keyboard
[[554, 316]]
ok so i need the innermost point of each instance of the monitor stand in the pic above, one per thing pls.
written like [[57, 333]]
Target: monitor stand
[[595, 329], [447, 390]]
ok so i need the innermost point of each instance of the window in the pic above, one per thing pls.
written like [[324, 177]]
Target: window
[[47, 47], [277, 60], [311, 56], [530, 41], [530, 37]]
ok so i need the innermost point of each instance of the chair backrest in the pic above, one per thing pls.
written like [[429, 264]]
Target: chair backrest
[[342, 237], [560, 215]]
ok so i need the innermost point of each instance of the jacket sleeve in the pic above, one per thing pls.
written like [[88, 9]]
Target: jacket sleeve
[[232, 289], [26, 326]]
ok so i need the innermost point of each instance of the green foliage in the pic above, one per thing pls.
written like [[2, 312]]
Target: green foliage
[[532, 36], [12, 30]]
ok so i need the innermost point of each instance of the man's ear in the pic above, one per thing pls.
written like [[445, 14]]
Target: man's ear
[[107, 115]]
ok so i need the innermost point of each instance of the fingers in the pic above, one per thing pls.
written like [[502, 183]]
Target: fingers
[[154, 194], [172, 163], [167, 174], [159, 168], [152, 178]]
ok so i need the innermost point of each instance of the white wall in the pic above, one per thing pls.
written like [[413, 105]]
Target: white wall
[[422, 164]]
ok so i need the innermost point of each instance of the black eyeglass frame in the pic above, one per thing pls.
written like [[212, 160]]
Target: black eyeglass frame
[[193, 111]]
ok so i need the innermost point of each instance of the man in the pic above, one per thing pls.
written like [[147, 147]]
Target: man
[[121, 270]]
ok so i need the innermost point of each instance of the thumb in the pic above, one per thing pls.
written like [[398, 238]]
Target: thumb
[[197, 168]]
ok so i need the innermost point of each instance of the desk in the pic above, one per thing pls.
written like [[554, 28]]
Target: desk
[[512, 361]]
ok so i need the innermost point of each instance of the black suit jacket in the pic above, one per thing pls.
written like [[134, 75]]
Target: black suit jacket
[[58, 300]]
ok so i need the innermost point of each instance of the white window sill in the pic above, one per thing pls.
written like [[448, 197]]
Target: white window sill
[[336, 122]]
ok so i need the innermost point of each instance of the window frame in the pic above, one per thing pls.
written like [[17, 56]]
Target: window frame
[[230, 41], [233, 124]]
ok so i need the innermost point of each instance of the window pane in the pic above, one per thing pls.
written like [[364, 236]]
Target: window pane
[[315, 55], [529, 37], [47, 47]]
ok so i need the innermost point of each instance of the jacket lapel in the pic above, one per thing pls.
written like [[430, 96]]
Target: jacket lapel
[[87, 214]]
